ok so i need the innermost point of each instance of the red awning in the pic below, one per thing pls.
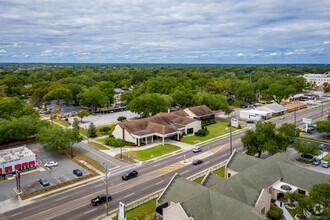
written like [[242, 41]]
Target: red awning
[[32, 162], [18, 166], [25, 164], [0, 170], [8, 168]]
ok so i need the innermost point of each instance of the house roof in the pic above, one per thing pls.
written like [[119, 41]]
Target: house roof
[[236, 197], [295, 105], [211, 179], [275, 107], [162, 123], [201, 110], [240, 161]]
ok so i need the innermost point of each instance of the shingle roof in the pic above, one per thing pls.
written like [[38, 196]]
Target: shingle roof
[[295, 105], [201, 110], [211, 179], [240, 161], [234, 198]]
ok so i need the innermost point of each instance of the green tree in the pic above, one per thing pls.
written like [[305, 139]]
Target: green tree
[[56, 138], [121, 118], [306, 147], [75, 89], [83, 113], [319, 200], [39, 94], [75, 123], [147, 103], [107, 88], [91, 130], [289, 130], [326, 87], [126, 97], [323, 126], [14, 107], [92, 97], [59, 93], [214, 102]]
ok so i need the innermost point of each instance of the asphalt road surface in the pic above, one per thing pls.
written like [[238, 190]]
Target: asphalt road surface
[[75, 204]]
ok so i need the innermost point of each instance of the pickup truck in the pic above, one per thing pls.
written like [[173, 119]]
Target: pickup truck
[[100, 199]]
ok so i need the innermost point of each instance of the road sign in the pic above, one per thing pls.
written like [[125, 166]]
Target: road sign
[[121, 210], [234, 122], [105, 206], [307, 120]]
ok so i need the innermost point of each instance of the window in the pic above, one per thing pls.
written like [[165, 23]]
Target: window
[[229, 175]]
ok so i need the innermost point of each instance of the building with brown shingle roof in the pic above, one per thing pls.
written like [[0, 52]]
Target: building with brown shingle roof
[[202, 113], [162, 125], [295, 106]]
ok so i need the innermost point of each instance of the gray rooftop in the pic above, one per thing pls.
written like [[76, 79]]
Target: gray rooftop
[[275, 107]]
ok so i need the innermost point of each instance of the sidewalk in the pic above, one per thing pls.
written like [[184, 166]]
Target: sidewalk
[[285, 212]]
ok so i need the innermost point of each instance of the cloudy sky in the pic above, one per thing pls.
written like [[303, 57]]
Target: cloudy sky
[[165, 31]]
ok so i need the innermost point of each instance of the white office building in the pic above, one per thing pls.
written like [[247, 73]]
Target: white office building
[[318, 79]]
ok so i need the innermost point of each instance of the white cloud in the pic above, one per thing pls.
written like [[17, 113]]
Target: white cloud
[[3, 51], [240, 55], [273, 54], [326, 42]]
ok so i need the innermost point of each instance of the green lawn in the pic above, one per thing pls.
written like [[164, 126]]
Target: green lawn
[[326, 157], [101, 140], [61, 123], [156, 151], [220, 172], [82, 132], [98, 146], [145, 211], [215, 130], [293, 212], [199, 180]]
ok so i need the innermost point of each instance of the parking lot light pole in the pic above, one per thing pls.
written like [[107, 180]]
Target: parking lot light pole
[[106, 187]]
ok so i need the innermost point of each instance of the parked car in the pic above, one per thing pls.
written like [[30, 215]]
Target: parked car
[[269, 102], [197, 149], [51, 164], [316, 161], [77, 172], [325, 164], [129, 175], [307, 156], [100, 199], [310, 127], [243, 106], [43, 181], [250, 121], [291, 141], [196, 162]]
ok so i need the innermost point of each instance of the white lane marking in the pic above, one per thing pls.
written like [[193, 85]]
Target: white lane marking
[[185, 171], [17, 214], [156, 165], [89, 211], [207, 162], [129, 195], [178, 157], [159, 182], [98, 185], [60, 199]]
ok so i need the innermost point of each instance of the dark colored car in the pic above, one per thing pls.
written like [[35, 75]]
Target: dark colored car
[[307, 156], [243, 106], [291, 141], [311, 128], [196, 162], [77, 172], [100, 199], [43, 181], [250, 121], [316, 161], [129, 175]]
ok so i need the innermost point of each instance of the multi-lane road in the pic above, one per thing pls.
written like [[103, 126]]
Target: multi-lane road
[[75, 203]]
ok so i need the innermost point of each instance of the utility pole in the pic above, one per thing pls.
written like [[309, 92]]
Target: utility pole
[[321, 109], [106, 187], [295, 118], [231, 142]]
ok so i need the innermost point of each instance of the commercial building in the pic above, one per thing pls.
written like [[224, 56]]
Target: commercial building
[[245, 193], [255, 115], [19, 158], [317, 79], [295, 106], [202, 113], [274, 108]]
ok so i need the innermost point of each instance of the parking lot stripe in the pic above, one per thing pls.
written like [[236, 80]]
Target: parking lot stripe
[[100, 156]]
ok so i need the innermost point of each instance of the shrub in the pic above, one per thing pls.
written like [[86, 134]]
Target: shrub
[[274, 212], [201, 132], [105, 129], [239, 126], [109, 141]]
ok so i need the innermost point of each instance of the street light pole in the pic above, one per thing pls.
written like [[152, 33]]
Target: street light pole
[[231, 142], [106, 187]]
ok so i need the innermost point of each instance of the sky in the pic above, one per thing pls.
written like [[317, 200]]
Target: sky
[[165, 31]]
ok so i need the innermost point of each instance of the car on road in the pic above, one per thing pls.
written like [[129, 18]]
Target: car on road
[[100, 199], [250, 121], [311, 128], [51, 164], [325, 164], [129, 175], [196, 162], [77, 172], [307, 156], [43, 181], [197, 149], [316, 161]]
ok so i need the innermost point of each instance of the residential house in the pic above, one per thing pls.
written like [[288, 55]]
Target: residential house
[[247, 194]]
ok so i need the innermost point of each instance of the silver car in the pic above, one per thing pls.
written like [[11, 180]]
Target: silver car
[[325, 164], [197, 149]]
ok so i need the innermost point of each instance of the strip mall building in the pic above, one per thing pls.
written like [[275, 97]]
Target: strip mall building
[[19, 158]]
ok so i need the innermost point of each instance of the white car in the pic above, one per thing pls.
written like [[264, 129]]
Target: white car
[[197, 149], [51, 164]]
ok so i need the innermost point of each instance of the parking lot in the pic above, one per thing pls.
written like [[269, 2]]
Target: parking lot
[[105, 119], [54, 175]]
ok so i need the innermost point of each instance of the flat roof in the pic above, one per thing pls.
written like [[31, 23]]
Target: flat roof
[[15, 153]]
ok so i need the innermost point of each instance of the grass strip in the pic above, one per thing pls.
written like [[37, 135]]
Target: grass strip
[[61, 123], [149, 153], [145, 211], [87, 159], [124, 158], [98, 146], [326, 157], [315, 139]]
